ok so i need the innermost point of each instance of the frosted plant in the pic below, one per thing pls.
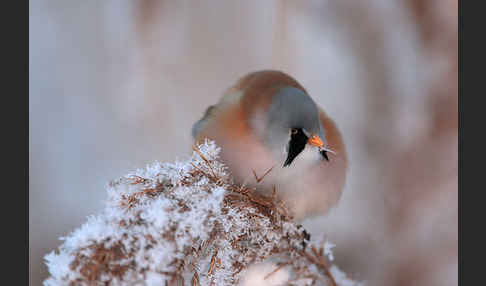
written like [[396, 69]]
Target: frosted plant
[[187, 223]]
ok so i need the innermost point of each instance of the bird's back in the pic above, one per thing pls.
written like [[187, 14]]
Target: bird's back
[[250, 90]]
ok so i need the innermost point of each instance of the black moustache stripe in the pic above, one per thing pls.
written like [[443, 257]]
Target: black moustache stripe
[[324, 154], [296, 145]]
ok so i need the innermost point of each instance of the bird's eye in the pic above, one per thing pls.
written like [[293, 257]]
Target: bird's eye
[[294, 131]]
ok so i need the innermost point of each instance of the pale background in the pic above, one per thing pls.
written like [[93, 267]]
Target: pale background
[[115, 85]]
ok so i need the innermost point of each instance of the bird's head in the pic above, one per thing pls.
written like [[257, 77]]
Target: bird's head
[[292, 124]]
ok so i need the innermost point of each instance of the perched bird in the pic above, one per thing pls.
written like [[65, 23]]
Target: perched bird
[[267, 121]]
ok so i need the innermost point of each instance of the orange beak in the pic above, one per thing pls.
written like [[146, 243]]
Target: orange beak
[[314, 140]]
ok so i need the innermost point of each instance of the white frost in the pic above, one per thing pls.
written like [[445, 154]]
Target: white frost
[[173, 222]]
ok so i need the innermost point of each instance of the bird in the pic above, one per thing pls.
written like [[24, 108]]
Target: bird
[[267, 124]]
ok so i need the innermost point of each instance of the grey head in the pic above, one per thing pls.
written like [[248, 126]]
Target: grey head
[[292, 118]]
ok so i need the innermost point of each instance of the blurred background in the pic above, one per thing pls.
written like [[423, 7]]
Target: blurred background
[[115, 85]]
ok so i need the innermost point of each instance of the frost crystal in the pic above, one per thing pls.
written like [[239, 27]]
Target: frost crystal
[[328, 246], [186, 223]]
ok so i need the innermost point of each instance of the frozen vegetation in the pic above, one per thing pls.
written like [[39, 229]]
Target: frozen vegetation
[[187, 223]]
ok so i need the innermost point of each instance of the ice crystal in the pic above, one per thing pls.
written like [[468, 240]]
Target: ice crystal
[[187, 223]]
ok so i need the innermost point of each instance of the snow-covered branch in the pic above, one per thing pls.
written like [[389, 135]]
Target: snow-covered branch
[[187, 223]]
